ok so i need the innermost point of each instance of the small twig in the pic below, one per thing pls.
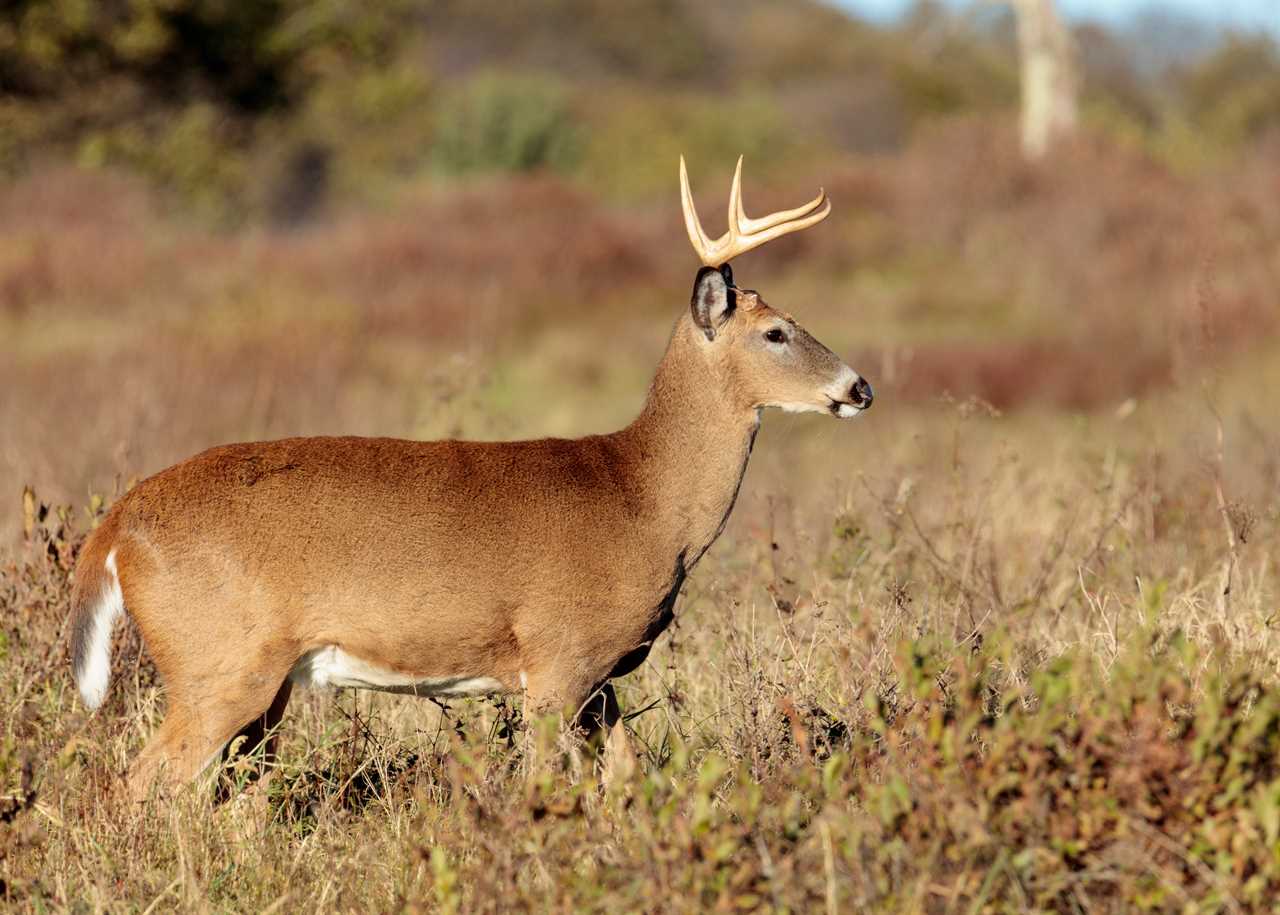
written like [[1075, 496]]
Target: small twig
[[829, 866], [1229, 565]]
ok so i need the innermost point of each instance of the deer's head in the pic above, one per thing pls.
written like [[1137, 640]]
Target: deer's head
[[762, 353]]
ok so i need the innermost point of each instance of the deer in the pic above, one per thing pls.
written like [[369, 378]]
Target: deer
[[546, 568]]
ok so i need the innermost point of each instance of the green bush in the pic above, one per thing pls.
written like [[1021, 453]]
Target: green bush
[[199, 94], [502, 122], [1234, 95], [193, 154]]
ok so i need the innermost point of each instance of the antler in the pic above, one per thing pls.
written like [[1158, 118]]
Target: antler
[[745, 234]]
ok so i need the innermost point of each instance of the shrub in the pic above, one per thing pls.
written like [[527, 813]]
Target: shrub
[[505, 122], [1234, 95]]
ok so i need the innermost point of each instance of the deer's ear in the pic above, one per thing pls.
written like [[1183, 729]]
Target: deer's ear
[[712, 301]]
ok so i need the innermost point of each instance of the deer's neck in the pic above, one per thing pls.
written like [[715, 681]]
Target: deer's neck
[[690, 446]]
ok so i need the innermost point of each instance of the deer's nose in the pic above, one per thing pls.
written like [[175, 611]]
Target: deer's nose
[[861, 395]]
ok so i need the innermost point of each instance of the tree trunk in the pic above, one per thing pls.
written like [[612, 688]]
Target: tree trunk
[[1049, 80]]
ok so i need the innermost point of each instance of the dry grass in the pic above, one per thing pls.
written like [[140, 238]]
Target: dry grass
[[945, 658]]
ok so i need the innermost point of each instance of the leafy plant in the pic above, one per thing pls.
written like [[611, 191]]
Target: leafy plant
[[505, 122]]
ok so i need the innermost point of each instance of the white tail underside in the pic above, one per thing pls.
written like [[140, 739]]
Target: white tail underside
[[94, 674]]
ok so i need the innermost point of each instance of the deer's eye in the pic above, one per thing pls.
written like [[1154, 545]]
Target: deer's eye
[[775, 335]]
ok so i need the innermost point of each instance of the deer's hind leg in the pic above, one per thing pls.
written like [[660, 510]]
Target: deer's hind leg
[[261, 732], [187, 741], [207, 708], [259, 735], [195, 732], [222, 655]]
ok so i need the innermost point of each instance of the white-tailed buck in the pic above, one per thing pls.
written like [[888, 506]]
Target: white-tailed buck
[[447, 568]]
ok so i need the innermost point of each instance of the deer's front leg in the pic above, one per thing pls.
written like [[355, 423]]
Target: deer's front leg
[[600, 713], [597, 716], [566, 690], [602, 716]]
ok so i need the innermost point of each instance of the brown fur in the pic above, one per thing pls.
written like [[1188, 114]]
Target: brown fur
[[557, 558]]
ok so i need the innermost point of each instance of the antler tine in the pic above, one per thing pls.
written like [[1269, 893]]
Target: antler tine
[[735, 206], [749, 226], [701, 244], [745, 234], [755, 240], [741, 224]]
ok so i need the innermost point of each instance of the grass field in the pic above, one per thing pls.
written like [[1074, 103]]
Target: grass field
[[1008, 642]]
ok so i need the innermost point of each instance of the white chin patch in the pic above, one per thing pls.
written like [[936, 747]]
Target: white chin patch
[[797, 407], [842, 410]]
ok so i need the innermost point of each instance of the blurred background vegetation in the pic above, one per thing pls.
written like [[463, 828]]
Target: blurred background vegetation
[[273, 109]]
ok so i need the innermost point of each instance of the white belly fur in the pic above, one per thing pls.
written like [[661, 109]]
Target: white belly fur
[[331, 666]]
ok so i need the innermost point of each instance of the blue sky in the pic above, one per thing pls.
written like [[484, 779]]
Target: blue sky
[[1249, 14]]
